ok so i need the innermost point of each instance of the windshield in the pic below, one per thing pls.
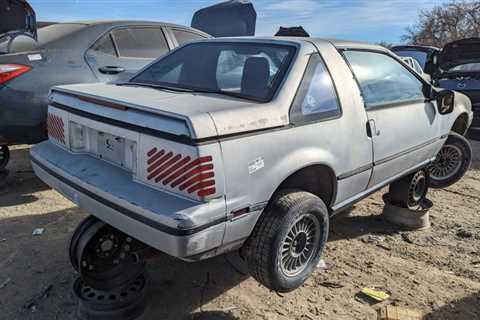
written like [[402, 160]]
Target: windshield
[[467, 67], [247, 70], [420, 56], [45, 35]]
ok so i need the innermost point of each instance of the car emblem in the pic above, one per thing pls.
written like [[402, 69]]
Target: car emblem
[[462, 85]]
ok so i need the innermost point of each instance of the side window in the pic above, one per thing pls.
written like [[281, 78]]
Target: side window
[[184, 36], [316, 97], [146, 43], [382, 79], [105, 46]]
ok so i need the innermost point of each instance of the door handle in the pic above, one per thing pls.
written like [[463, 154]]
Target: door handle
[[111, 70], [372, 129]]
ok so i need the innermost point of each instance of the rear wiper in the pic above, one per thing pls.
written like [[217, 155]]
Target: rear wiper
[[154, 86]]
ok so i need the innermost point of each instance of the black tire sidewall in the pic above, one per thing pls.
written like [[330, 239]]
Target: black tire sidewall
[[462, 143], [6, 157], [310, 205]]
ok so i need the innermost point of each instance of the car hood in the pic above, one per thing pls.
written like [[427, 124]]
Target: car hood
[[234, 18], [459, 52], [17, 18]]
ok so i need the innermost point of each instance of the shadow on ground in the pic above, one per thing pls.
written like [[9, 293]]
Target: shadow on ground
[[466, 308], [31, 264], [18, 181]]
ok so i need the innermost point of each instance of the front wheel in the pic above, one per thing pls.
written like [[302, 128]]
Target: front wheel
[[288, 240], [452, 162]]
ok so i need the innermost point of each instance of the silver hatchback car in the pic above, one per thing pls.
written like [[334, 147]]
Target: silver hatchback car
[[246, 143]]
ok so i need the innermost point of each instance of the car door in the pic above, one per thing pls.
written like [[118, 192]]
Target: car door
[[123, 51], [402, 123]]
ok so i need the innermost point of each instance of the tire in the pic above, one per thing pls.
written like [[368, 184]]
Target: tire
[[410, 191], [4, 156], [452, 162], [292, 212]]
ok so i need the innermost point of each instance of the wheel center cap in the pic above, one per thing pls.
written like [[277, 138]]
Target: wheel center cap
[[299, 244]]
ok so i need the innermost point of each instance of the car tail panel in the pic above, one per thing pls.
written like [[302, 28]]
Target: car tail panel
[[116, 135]]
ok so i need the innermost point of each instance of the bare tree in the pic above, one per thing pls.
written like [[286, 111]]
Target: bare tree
[[445, 23]]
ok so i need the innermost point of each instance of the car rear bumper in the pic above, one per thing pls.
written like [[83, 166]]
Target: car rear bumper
[[176, 226]]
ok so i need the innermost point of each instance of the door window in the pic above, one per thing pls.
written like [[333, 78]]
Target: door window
[[105, 46], [383, 80], [317, 97], [140, 42], [184, 36]]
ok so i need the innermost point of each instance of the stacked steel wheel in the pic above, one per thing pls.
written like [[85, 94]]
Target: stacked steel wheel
[[113, 280]]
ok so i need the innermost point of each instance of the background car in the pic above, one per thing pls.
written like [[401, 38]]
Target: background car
[[80, 52], [424, 55], [412, 63], [459, 70]]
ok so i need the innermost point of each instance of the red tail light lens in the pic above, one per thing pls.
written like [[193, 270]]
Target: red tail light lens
[[192, 176], [11, 71]]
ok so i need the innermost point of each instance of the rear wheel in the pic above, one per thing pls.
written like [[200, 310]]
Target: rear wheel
[[452, 162], [287, 241], [410, 191], [4, 156]]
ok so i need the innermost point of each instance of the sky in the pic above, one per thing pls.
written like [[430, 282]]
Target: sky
[[365, 20]]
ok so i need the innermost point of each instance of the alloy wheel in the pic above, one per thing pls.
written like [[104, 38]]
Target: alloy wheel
[[447, 163], [299, 245]]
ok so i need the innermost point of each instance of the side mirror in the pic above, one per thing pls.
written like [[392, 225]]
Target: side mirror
[[445, 101]]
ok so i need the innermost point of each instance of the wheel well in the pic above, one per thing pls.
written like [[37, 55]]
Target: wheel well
[[460, 125], [319, 180]]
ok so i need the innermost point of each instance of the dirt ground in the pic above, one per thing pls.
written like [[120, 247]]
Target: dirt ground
[[436, 271]]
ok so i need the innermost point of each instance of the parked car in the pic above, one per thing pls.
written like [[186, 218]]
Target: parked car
[[412, 63], [196, 160], [424, 55], [66, 53], [459, 70]]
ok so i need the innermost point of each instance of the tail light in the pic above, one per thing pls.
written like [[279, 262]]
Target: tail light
[[190, 176], [11, 71]]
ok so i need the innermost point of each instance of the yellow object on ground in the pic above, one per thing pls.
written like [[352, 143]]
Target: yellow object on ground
[[375, 294]]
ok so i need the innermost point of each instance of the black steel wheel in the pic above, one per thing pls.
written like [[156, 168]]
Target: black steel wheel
[[127, 302], [4, 156], [410, 191], [104, 256], [72, 248], [287, 241], [451, 163]]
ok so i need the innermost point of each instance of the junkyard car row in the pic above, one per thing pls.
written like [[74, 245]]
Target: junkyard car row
[[247, 144]]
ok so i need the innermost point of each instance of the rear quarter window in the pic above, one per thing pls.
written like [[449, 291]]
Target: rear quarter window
[[184, 36], [316, 98]]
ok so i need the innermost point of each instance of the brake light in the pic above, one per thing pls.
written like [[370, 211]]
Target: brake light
[[11, 71]]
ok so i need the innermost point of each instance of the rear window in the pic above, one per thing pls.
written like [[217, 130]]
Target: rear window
[[46, 35], [247, 70]]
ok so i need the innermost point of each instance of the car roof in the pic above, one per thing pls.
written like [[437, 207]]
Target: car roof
[[114, 23], [339, 44]]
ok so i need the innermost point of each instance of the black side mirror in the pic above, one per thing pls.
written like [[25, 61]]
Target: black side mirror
[[445, 101]]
